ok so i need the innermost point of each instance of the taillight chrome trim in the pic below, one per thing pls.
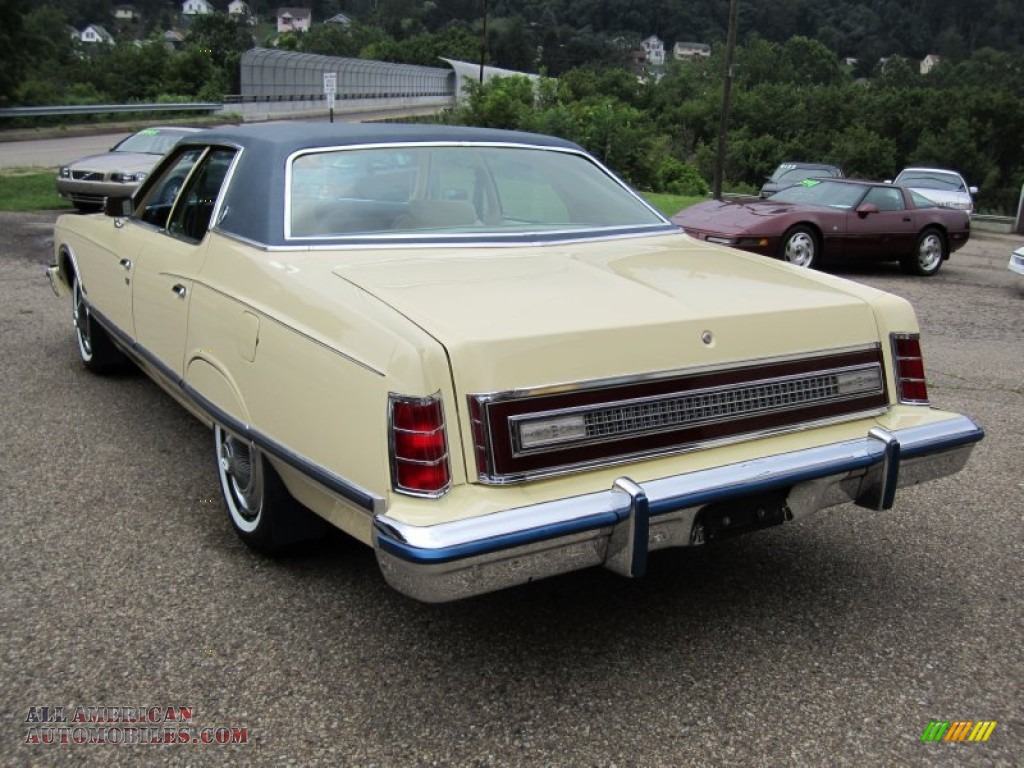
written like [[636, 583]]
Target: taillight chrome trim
[[393, 459], [894, 341]]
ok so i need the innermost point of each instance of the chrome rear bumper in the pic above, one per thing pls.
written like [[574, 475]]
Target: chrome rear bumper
[[618, 527]]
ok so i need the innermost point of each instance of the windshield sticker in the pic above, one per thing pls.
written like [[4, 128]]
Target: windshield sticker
[[150, 132], [810, 182]]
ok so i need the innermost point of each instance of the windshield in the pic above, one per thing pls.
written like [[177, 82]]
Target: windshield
[[793, 174], [931, 180], [456, 190], [827, 194], [151, 141]]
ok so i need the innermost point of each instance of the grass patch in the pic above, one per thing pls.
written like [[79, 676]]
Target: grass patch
[[34, 190], [31, 190], [671, 204]]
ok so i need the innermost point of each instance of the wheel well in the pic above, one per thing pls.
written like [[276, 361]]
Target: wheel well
[[67, 266]]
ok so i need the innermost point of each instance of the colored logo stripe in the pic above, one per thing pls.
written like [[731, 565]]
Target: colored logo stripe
[[982, 731], [958, 730]]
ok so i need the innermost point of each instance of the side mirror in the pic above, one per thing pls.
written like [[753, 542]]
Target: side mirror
[[117, 207], [867, 208], [973, 190]]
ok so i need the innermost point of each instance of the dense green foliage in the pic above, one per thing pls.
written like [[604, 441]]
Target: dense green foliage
[[792, 98]]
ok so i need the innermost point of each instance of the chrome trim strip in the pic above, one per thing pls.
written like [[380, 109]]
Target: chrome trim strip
[[407, 246], [514, 421], [642, 378], [510, 528], [345, 488]]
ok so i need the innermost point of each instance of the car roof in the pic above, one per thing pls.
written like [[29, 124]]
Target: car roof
[[922, 169], [295, 136], [253, 209], [801, 164]]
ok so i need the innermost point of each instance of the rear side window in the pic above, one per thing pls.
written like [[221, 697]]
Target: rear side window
[[190, 217]]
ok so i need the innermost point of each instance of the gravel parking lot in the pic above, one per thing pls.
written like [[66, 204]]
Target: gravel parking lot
[[832, 641]]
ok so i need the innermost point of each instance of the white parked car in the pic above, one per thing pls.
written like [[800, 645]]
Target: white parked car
[[1017, 262], [944, 187]]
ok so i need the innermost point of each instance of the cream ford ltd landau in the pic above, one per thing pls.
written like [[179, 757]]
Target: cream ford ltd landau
[[480, 353]]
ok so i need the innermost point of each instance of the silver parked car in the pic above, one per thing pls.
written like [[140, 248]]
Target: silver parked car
[[945, 188], [91, 180]]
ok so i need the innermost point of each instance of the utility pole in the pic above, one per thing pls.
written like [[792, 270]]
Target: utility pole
[[723, 125], [483, 45]]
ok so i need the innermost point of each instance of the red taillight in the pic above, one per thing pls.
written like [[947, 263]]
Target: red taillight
[[910, 380], [419, 446]]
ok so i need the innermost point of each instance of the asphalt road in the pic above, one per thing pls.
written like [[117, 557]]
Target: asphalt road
[[54, 152], [832, 641]]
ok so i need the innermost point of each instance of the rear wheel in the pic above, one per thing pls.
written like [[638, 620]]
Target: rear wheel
[[929, 253], [263, 513], [800, 246], [97, 352]]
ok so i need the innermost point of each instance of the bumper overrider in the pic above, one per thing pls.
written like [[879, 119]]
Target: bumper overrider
[[618, 527]]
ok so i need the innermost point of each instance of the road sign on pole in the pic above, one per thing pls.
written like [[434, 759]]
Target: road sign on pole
[[330, 91]]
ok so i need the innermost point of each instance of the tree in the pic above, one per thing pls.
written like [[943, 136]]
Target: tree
[[14, 47]]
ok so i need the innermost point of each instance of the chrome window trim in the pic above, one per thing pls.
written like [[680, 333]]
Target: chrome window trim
[[384, 239], [514, 420], [397, 245]]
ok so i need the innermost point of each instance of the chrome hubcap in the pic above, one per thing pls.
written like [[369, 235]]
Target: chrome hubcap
[[240, 468], [80, 319], [930, 252], [800, 249]]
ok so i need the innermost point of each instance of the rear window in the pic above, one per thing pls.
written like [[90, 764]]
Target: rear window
[[424, 192]]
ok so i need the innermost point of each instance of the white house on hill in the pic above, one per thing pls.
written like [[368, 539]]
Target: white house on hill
[[294, 19], [196, 8], [94, 33], [654, 47]]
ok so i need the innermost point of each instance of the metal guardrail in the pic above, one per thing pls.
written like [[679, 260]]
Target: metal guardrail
[[103, 109]]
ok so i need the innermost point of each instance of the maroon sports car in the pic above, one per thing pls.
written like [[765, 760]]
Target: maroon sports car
[[823, 220]]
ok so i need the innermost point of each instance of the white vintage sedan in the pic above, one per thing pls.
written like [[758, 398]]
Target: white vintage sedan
[[480, 353]]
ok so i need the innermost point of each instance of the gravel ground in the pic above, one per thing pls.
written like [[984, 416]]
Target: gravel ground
[[832, 641]]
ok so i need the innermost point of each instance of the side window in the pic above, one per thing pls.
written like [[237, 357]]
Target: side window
[[887, 199], [190, 217], [155, 207]]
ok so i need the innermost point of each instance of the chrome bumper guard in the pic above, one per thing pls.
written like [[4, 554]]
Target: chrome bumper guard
[[618, 527]]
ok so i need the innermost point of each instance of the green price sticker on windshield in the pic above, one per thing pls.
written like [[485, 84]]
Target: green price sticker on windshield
[[810, 182]]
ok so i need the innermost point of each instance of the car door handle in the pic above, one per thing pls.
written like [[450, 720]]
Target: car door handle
[[179, 290], [126, 263], [906, 218]]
